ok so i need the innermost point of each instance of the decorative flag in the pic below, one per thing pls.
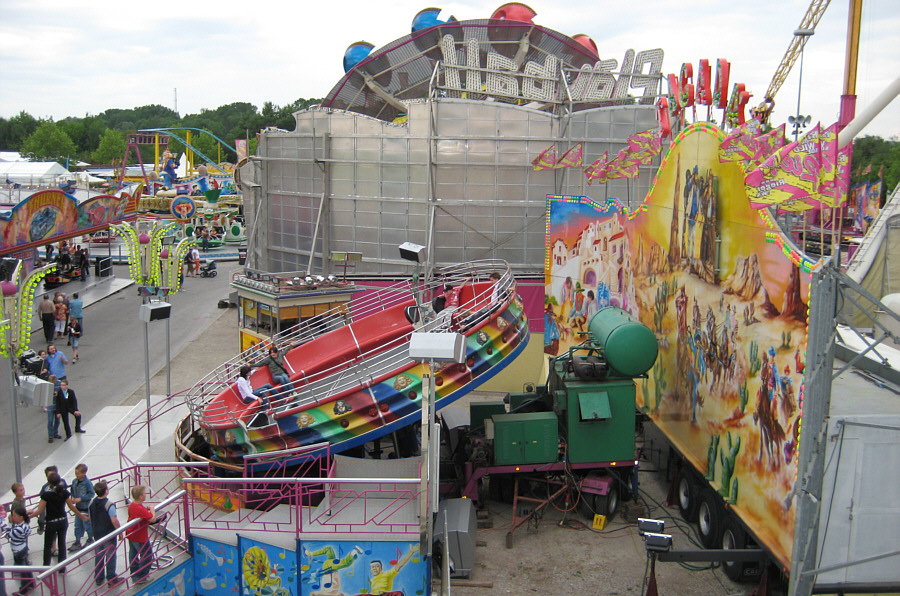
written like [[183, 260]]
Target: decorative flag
[[834, 176], [240, 146], [640, 149], [881, 172], [867, 170], [789, 177], [764, 146], [546, 160], [571, 158], [738, 144], [597, 170]]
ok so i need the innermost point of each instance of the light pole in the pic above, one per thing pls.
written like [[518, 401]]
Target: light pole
[[431, 348], [799, 121], [16, 300], [155, 266]]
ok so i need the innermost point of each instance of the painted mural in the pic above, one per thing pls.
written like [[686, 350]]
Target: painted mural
[[331, 568], [216, 567], [52, 214], [266, 570], [178, 581], [728, 303]]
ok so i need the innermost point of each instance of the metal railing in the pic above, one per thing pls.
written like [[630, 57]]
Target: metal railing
[[367, 365]]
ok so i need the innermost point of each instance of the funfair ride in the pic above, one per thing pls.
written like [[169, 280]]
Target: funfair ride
[[352, 377]]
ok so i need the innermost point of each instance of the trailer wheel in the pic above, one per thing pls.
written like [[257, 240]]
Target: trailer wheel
[[710, 519], [734, 537], [687, 492], [608, 504]]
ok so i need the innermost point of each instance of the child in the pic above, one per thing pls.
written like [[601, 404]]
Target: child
[[140, 556], [74, 336], [18, 542]]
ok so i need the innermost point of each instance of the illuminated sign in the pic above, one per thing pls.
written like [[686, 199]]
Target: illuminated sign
[[501, 77], [685, 93]]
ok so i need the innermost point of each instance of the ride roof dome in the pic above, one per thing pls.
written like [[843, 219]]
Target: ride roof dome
[[453, 59]]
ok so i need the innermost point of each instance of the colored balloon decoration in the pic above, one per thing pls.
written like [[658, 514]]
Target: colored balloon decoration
[[515, 11], [356, 53], [429, 17]]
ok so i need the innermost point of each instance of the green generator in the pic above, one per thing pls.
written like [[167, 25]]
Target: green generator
[[594, 390], [531, 438]]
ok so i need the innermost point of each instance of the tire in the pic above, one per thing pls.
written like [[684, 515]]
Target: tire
[[608, 504], [213, 273], [734, 537], [710, 519], [686, 491]]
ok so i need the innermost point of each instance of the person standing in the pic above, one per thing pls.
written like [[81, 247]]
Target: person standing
[[104, 522], [18, 490], [74, 337], [47, 312], [67, 403], [18, 543], [4, 532], [54, 500], [82, 493], [61, 314], [76, 309], [56, 363], [139, 552], [195, 261]]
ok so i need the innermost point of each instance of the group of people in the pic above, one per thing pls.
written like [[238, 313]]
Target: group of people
[[65, 402], [280, 375], [95, 518], [62, 317], [70, 256]]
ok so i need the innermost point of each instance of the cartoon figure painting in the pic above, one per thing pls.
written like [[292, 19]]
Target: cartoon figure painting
[[371, 568]]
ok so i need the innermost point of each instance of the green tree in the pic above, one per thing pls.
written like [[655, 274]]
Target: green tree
[[49, 143], [14, 131], [111, 147], [878, 153]]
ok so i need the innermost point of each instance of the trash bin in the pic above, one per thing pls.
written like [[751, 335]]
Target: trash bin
[[242, 256], [103, 267]]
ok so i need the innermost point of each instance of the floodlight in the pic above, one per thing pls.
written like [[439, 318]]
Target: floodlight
[[650, 525], [413, 252], [439, 347], [658, 542]]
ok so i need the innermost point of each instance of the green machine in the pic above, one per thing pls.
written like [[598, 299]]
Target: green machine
[[593, 387]]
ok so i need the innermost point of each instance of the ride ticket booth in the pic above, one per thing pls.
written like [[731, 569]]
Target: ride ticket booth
[[270, 303]]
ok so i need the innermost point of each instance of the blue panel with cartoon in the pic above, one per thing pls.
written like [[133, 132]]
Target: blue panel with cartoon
[[216, 567], [330, 568], [267, 570], [178, 581]]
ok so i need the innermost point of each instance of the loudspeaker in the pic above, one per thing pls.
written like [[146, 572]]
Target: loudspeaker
[[155, 311], [413, 252]]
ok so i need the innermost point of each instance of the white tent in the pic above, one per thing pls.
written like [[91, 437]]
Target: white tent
[[31, 174]]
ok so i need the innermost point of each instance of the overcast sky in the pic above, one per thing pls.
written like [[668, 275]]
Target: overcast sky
[[62, 58]]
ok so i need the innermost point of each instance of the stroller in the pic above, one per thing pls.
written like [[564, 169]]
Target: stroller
[[208, 268]]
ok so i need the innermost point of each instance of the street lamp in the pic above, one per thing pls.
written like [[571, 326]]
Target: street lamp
[[16, 300], [799, 121], [431, 348], [154, 264]]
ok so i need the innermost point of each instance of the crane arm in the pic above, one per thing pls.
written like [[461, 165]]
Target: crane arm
[[810, 20]]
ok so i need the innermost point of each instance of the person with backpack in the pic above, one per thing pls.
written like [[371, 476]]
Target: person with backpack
[[104, 522]]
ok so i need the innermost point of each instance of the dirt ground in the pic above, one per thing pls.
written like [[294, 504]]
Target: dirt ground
[[561, 555]]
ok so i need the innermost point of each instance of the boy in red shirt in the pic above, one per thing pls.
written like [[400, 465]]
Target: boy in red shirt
[[140, 555]]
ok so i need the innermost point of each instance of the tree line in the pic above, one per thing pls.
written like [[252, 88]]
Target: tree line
[[101, 139]]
